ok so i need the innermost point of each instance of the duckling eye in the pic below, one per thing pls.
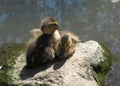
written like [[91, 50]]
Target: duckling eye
[[50, 26]]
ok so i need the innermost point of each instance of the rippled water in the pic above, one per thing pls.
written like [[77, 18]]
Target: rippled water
[[113, 78], [90, 19]]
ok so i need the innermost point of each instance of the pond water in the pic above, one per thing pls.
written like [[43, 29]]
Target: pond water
[[97, 20]]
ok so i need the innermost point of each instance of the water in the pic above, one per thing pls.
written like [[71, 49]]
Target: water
[[90, 19]]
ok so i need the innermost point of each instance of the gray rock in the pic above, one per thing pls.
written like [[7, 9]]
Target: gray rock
[[75, 71]]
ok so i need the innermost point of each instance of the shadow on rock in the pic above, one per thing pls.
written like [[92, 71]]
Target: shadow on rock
[[58, 63], [27, 73]]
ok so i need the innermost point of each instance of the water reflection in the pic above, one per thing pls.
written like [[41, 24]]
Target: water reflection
[[90, 19]]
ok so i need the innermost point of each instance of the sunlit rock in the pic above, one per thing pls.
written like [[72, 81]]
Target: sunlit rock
[[81, 69]]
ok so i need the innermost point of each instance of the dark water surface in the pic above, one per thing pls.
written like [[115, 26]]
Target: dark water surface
[[90, 19]]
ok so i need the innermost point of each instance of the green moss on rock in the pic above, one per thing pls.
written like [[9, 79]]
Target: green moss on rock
[[8, 54], [103, 67]]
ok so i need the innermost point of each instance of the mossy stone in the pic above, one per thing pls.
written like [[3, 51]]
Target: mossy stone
[[103, 67], [8, 54]]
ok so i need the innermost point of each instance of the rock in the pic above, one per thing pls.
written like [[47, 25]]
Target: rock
[[79, 70]]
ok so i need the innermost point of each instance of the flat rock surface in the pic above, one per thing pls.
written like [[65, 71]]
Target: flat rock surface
[[75, 71]]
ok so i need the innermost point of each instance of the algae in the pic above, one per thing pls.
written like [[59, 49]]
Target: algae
[[8, 54]]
